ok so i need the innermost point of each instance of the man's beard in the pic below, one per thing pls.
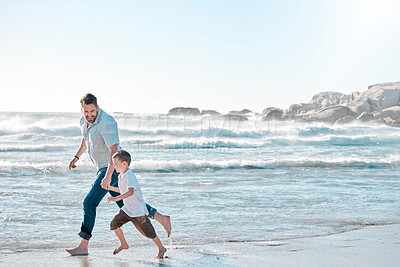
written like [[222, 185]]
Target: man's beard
[[91, 119]]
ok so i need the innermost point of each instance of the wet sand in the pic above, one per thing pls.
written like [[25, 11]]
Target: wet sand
[[369, 246]]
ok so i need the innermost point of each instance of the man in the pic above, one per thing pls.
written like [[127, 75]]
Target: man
[[100, 138]]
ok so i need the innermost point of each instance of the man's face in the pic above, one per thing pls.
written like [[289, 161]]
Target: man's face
[[89, 112]]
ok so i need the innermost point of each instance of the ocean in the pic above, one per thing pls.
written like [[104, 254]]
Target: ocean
[[219, 180]]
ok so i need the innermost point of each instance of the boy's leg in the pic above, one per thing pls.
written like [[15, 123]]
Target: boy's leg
[[121, 237], [120, 219], [145, 227], [164, 220], [161, 248], [90, 204]]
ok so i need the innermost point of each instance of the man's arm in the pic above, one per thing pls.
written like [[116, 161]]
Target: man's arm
[[78, 154], [105, 183], [124, 195]]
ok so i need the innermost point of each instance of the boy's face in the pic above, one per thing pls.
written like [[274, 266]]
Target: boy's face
[[120, 166]]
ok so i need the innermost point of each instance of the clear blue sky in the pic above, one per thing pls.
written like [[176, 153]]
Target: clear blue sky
[[150, 56]]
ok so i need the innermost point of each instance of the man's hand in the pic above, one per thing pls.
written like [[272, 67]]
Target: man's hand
[[72, 163], [105, 183], [111, 199]]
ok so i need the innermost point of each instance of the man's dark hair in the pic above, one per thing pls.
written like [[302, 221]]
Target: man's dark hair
[[89, 99], [123, 155]]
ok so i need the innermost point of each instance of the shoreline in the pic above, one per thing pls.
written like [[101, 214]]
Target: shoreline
[[372, 245]]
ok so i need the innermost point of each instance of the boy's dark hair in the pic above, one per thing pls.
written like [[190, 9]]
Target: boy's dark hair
[[123, 155], [89, 99]]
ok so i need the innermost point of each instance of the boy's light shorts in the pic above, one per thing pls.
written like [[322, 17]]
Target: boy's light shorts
[[142, 223]]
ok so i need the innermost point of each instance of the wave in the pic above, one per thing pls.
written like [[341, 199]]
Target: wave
[[32, 148], [234, 164], [34, 130], [164, 166], [13, 168], [168, 142]]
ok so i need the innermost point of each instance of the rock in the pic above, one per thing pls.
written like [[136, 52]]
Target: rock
[[332, 114], [210, 112], [233, 117], [376, 98], [326, 99], [392, 112], [273, 114], [301, 108], [364, 117], [184, 111], [345, 120], [240, 113], [287, 115]]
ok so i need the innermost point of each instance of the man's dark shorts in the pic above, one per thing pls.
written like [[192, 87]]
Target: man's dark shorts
[[142, 223]]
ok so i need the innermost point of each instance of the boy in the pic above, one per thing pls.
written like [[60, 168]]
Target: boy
[[134, 208]]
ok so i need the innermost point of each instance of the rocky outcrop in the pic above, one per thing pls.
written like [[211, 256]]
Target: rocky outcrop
[[184, 111], [378, 104]]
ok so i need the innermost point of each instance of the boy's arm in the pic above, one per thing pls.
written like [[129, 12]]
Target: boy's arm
[[113, 188], [124, 195]]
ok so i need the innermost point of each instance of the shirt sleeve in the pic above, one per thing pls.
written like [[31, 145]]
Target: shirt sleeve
[[131, 180], [109, 132]]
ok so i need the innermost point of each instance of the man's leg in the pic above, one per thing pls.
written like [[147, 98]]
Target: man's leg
[[92, 200], [164, 220]]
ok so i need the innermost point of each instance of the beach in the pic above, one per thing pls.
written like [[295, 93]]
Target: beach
[[239, 193], [369, 246]]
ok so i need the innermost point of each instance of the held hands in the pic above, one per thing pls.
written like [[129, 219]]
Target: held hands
[[105, 183]]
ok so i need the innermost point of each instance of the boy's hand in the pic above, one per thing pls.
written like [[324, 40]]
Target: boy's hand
[[111, 199]]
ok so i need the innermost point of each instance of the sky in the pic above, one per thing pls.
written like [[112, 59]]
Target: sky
[[151, 56]]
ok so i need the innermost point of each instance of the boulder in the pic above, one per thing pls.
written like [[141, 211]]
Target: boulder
[[243, 112], [345, 120], [332, 114], [233, 117], [365, 117], [273, 114], [392, 112], [301, 108], [326, 99], [184, 111], [377, 98], [210, 112]]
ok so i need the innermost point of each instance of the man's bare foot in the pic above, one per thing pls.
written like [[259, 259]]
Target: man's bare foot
[[118, 250], [161, 253], [78, 251]]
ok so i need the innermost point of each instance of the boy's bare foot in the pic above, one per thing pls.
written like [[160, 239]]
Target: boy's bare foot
[[118, 250], [166, 223], [78, 251], [161, 253]]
